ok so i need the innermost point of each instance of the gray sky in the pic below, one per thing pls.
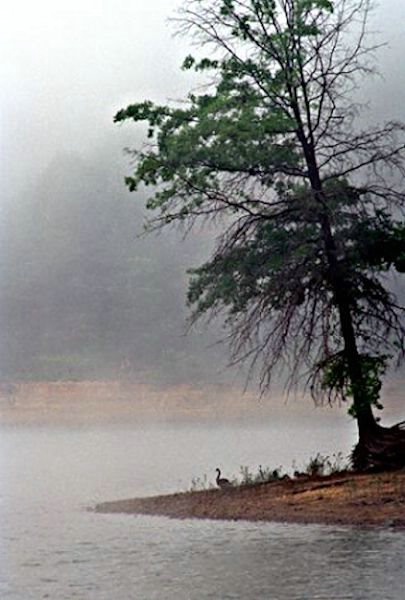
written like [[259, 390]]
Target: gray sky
[[68, 65]]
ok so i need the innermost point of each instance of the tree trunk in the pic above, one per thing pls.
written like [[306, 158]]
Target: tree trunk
[[378, 448], [366, 422]]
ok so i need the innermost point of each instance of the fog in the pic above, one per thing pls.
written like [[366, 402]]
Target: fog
[[102, 394], [81, 295], [67, 67]]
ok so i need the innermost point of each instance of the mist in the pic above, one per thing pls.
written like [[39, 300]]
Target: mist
[[82, 296], [105, 393], [68, 67]]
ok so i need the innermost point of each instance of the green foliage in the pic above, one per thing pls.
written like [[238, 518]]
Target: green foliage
[[321, 465], [380, 242], [246, 477], [336, 379], [268, 263], [262, 475], [318, 465], [269, 151], [278, 265]]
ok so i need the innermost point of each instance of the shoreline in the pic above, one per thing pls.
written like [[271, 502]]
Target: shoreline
[[348, 499], [117, 402]]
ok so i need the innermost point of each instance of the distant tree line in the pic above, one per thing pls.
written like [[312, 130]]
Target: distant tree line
[[82, 296]]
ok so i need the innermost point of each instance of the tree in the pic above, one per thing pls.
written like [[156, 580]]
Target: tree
[[309, 204]]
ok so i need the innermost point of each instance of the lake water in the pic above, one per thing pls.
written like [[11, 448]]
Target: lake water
[[51, 546]]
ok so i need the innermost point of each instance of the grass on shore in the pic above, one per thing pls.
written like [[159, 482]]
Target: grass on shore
[[318, 466]]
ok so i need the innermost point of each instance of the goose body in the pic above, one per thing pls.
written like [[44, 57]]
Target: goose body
[[222, 482]]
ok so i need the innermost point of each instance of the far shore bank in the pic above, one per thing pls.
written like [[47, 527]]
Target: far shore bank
[[93, 402], [90, 403], [100, 402], [363, 500]]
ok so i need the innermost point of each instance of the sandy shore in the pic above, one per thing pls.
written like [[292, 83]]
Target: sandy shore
[[376, 500]]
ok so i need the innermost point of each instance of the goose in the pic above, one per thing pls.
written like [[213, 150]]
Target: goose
[[222, 482]]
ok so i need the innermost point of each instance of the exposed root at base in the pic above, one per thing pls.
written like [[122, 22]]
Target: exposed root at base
[[382, 449]]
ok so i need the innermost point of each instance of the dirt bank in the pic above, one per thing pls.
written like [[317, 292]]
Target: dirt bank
[[70, 402], [376, 500]]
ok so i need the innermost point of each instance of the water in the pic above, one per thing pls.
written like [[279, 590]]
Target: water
[[52, 547]]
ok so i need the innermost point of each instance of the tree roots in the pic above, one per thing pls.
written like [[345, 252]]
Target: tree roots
[[382, 449]]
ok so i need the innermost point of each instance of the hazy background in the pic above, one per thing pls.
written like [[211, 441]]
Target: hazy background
[[81, 297]]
